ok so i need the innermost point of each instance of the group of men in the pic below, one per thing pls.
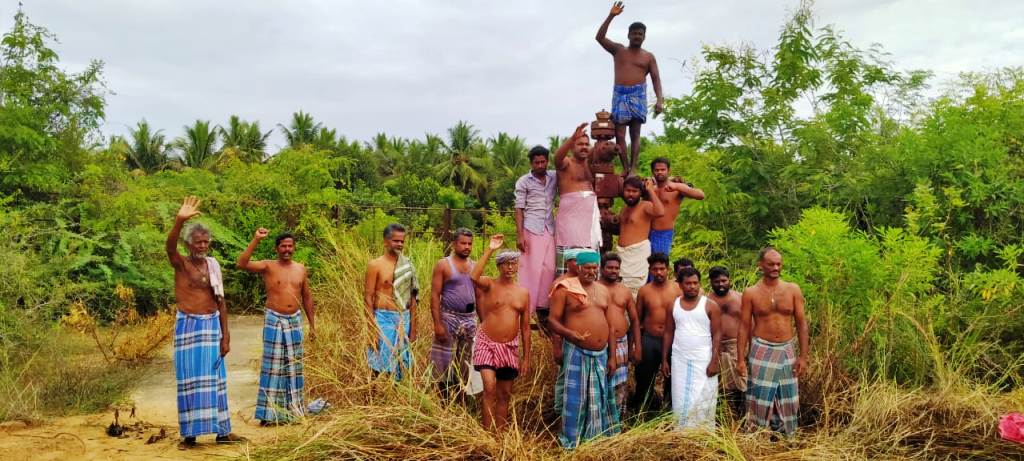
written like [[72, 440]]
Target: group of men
[[202, 338]]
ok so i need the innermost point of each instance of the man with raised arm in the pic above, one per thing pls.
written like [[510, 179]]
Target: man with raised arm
[[505, 323], [279, 399], [201, 336], [535, 227], [625, 327], [733, 387], [453, 310], [689, 354], [671, 194], [580, 315], [653, 303], [390, 293], [578, 221], [629, 96], [769, 310], [635, 221]]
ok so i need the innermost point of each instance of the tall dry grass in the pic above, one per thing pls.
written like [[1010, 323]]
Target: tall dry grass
[[843, 416]]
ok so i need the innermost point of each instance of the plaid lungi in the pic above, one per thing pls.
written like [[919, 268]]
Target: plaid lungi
[[629, 102], [773, 396], [200, 375], [281, 380], [621, 362], [588, 406], [461, 327]]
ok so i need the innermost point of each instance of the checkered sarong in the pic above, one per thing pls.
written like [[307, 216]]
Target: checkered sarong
[[588, 403], [281, 381], [452, 358], [201, 376], [773, 396]]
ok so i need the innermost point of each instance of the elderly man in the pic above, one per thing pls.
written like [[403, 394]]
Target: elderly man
[[505, 315], [769, 310], [535, 227], [390, 293], [281, 373], [201, 337], [580, 314], [452, 308]]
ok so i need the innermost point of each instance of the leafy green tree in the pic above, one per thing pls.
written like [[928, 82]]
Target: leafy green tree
[[302, 130], [244, 140], [198, 147], [468, 162], [46, 113]]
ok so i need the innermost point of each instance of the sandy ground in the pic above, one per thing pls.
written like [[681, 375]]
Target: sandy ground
[[84, 437]]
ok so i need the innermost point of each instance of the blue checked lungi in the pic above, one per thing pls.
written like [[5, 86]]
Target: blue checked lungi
[[629, 103], [588, 407], [200, 374], [281, 381], [661, 241], [622, 364], [773, 394], [392, 354]]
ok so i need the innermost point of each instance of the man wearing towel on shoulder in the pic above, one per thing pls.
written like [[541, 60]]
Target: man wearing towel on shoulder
[[634, 226], [578, 221], [390, 293], [201, 337], [769, 310], [280, 397], [580, 314]]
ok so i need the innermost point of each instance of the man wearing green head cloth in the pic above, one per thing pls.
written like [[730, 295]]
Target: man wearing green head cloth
[[390, 294], [580, 315]]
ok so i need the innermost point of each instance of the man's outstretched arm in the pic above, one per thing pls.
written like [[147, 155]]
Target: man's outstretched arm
[[602, 32]]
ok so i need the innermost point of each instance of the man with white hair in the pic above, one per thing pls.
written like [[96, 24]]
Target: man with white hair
[[201, 337]]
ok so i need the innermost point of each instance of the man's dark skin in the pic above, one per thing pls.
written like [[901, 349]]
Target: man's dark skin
[[574, 172], [539, 170], [769, 310], [192, 289], [671, 194], [585, 324], [654, 304], [730, 302], [461, 249], [286, 280], [622, 307], [636, 218], [690, 287], [632, 64]]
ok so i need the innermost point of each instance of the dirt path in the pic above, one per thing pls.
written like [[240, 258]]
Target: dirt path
[[83, 437]]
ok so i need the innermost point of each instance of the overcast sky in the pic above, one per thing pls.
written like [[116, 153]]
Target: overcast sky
[[531, 68]]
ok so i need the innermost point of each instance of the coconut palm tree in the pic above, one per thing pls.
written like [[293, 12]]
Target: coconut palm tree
[[390, 153], [302, 130], [245, 139], [468, 162], [198, 147], [509, 153], [145, 149]]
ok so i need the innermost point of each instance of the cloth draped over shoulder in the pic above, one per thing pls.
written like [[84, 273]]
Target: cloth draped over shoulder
[[281, 372], [405, 285], [216, 277], [573, 286]]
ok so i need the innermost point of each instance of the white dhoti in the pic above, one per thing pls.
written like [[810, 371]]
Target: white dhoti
[[694, 394], [633, 270]]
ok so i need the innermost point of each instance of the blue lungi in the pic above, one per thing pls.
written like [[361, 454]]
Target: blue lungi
[[629, 103], [281, 378], [392, 354], [200, 374]]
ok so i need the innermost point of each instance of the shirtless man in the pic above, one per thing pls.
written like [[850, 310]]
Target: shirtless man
[[635, 221], [654, 302], [505, 322], [769, 310], [577, 223], [389, 295], [625, 327], [201, 336], [580, 314], [629, 98], [281, 375], [734, 388], [671, 194], [452, 309]]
